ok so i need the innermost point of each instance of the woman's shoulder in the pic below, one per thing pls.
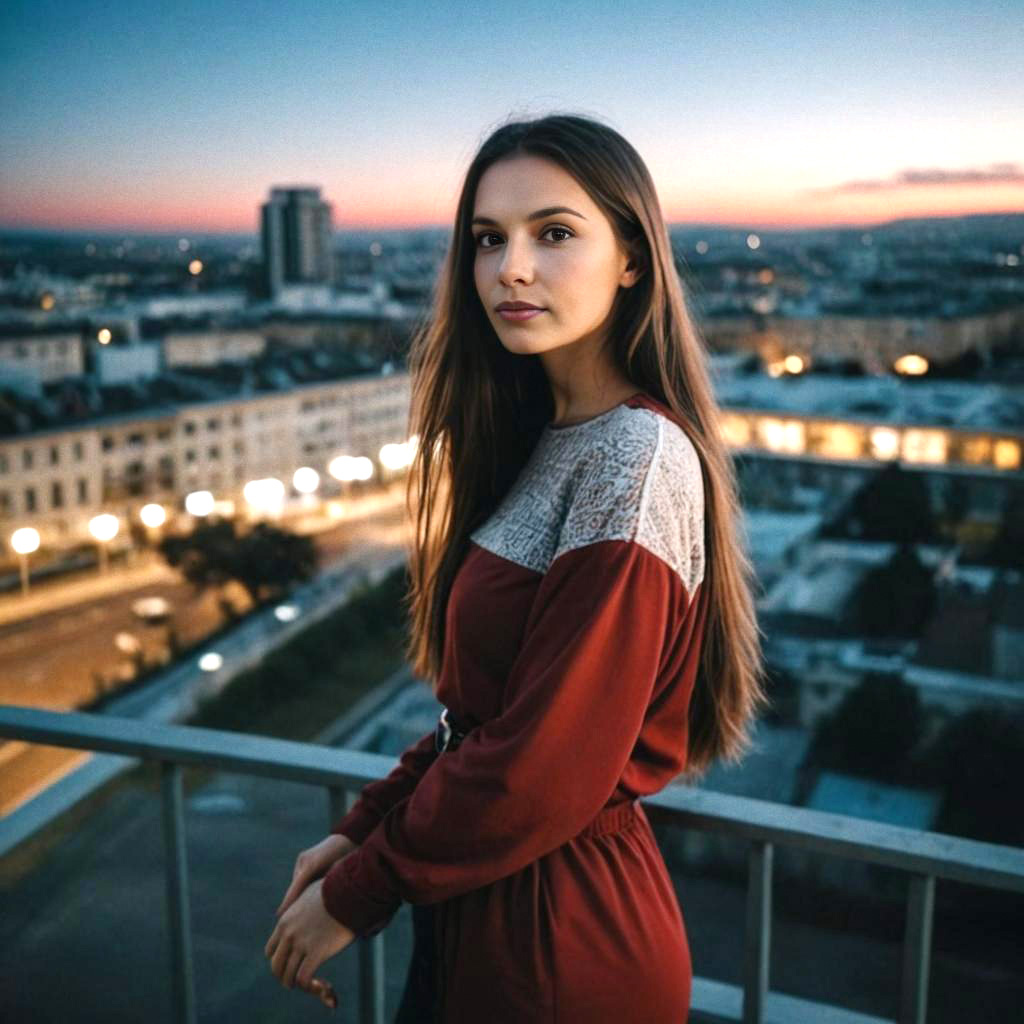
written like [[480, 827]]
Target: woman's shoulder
[[640, 481]]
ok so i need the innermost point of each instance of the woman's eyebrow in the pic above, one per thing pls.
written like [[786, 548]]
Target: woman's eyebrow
[[548, 211]]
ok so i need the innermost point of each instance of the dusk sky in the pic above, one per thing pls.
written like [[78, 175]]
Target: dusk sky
[[180, 117]]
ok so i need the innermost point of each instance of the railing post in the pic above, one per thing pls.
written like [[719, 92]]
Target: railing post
[[176, 875], [371, 950], [758, 935], [917, 946]]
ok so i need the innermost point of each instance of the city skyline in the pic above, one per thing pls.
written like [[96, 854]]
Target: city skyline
[[139, 120]]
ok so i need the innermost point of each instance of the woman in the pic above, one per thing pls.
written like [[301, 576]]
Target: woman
[[579, 598]]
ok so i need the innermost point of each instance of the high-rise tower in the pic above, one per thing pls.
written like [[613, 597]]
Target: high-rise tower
[[296, 234]]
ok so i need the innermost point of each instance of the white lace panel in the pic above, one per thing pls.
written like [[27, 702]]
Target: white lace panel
[[630, 474]]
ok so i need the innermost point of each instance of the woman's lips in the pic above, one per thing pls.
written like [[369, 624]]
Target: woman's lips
[[519, 314]]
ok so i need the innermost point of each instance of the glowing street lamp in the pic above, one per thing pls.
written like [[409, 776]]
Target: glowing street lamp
[[104, 528], [199, 503], [305, 480], [153, 516], [264, 496], [24, 542]]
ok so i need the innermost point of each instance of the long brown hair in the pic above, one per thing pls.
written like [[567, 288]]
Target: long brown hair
[[478, 411]]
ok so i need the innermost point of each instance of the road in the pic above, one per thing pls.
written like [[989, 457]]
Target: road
[[53, 659]]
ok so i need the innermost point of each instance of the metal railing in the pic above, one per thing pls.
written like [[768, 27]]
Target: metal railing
[[925, 856]]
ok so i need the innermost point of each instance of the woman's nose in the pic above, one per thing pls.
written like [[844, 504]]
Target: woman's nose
[[516, 264]]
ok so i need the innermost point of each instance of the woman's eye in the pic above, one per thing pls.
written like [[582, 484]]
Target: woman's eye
[[490, 234]]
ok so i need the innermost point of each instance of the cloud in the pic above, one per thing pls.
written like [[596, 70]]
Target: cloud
[[994, 174]]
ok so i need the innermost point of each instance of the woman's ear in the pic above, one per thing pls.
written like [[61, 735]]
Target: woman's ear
[[631, 274], [634, 267]]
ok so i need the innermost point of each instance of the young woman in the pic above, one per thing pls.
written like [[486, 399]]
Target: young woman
[[580, 600]]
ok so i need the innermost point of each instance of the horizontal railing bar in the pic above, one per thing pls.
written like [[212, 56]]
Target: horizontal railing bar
[[188, 744], [906, 849]]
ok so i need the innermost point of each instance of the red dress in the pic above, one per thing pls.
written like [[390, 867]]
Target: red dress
[[573, 631]]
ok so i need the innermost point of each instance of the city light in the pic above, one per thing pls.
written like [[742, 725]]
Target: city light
[[266, 494], [885, 443], [25, 540], [199, 503], [195, 267], [396, 456], [911, 364], [103, 336], [306, 480], [210, 661], [351, 467], [104, 527], [153, 515]]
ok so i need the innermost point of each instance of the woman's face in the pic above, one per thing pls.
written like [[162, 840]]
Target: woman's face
[[570, 264]]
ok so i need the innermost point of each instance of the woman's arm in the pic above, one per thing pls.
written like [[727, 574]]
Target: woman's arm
[[378, 797]]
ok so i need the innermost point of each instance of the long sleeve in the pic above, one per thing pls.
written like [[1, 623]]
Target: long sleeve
[[527, 781], [378, 797]]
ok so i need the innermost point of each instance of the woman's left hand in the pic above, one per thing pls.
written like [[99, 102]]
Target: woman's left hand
[[305, 936]]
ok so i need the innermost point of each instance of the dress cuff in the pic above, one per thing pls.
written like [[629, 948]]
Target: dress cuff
[[350, 904]]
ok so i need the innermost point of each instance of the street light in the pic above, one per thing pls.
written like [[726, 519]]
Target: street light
[[24, 542], [264, 495], [199, 503], [104, 528]]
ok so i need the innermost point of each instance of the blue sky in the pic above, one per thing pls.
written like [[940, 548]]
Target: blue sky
[[184, 115]]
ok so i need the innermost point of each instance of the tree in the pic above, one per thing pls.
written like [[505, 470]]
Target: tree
[[979, 759], [893, 504], [1007, 547], [896, 599], [872, 731], [265, 560]]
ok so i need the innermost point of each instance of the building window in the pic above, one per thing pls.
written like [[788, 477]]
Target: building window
[[26, 458], [136, 440], [30, 499], [56, 494], [78, 451], [213, 424], [83, 490], [163, 434], [54, 455], [190, 455], [108, 442], [3, 463], [190, 427]]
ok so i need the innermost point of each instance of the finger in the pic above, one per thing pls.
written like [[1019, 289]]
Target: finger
[[298, 884], [292, 967], [325, 991], [272, 942], [280, 960]]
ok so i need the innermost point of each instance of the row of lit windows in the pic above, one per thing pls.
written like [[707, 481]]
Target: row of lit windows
[[837, 440]]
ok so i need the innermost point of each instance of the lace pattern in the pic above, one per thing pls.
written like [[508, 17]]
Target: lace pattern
[[631, 474]]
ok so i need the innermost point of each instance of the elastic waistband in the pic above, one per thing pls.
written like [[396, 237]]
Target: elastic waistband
[[614, 818]]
